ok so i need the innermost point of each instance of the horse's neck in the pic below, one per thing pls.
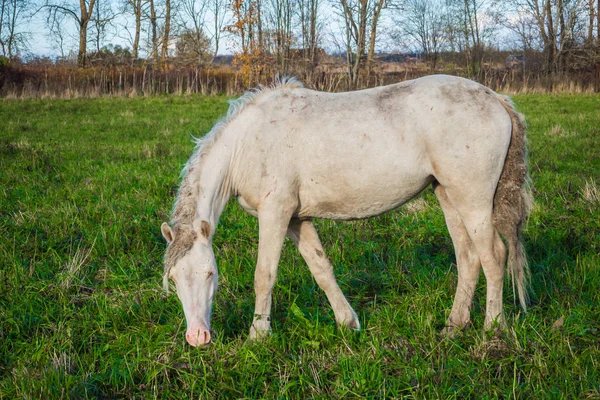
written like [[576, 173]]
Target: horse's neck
[[214, 182]]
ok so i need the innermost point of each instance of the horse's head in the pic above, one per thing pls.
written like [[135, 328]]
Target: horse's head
[[190, 263]]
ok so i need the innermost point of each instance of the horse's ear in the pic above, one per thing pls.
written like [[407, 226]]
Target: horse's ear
[[167, 232], [205, 229]]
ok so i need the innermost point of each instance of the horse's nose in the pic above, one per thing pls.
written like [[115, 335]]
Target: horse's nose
[[198, 337]]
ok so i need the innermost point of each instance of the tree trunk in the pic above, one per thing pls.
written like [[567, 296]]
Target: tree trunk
[[82, 44], [2, 25], [551, 51], [562, 34], [137, 9], [373, 37], [11, 35], [153, 27], [313, 33], [348, 20], [590, 37], [86, 13], [217, 13], [361, 41], [288, 33], [468, 45], [475, 51], [165, 41], [259, 23], [98, 37]]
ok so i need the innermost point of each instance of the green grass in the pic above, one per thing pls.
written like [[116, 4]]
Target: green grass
[[85, 185]]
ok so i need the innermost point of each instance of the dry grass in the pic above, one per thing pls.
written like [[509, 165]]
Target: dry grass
[[73, 268], [21, 145], [493, 348], [558, 130], [591, 192], [68, 82], [416, 206], [62, 362], [21, 217]]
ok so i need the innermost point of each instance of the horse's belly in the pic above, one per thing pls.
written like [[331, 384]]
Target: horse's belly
[[343, 200]]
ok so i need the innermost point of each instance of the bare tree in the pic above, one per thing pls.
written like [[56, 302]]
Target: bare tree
[[425, 22], [137, 12], [102, 20], [590, 35], [12, 39], [166, 32], [361, 18], [218, 9], [558, 24], [193, 43], [523, 26], [355, 21], [193, 18], [80, 13], [56, 24], [474, 26], [376, 14], [153, 29], [309, 23], [137, 8], [194, 47], [279, 21], [193, 15]]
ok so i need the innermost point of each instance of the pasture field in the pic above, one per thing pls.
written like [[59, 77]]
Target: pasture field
[[86, 183]]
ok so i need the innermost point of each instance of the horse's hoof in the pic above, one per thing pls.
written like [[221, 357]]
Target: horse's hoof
[[354, 324], [450, 332], [496, 326], [256, 334], [351, 323]]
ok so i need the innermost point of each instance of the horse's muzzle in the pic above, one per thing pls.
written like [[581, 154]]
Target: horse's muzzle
[[198, 336]]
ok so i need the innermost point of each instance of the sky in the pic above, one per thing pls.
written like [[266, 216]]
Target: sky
[[41, 43]]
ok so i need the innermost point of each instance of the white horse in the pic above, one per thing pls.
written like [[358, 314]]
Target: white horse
[[291, 154]]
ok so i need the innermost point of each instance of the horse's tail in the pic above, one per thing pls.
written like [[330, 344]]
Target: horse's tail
[[513, 202]]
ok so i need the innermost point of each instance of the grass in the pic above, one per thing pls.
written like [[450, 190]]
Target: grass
[[85, 185]]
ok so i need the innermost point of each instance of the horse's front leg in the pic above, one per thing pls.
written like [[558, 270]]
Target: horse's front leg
[[273, 220]]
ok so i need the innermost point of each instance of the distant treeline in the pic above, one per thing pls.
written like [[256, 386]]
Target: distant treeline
[[110, 76]]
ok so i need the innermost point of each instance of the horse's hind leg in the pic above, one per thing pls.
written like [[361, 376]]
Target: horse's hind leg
[[467, 262], [304, 235], [475, 209]]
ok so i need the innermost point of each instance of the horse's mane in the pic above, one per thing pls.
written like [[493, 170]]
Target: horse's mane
[[188, 194]]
